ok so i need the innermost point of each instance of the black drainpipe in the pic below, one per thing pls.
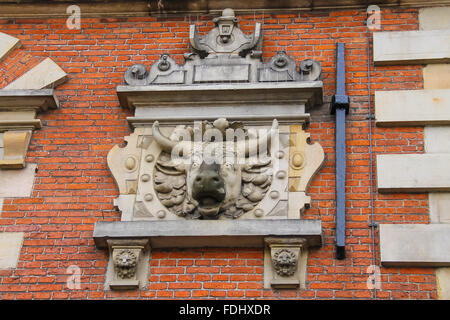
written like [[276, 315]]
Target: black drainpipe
[[340, 107]]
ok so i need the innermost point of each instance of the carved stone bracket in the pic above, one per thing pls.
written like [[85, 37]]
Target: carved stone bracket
[[128, 266], [286, 269], [18, 109]]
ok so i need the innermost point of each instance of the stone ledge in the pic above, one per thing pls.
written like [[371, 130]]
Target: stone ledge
[[416, 245], [206, 233]]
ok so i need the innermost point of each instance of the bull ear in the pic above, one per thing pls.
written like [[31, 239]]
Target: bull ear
[[165, 143]]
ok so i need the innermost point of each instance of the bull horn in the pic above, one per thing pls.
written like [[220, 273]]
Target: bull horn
[[261, 140], [165, 143]]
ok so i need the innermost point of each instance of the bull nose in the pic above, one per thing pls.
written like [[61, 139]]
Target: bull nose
[[208, 180]]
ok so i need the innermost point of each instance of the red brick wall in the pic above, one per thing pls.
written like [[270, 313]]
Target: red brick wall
[[74, 189]]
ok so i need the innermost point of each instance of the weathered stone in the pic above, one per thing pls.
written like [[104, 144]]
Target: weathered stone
[[18, 109], [434, 18], [224, 55], [17, 183], [260, 102], [415, 245], [124, 164], [413, 172], [443, 283], [208, 233], [286, 268], [305, 159], [128, 264], [411, 47], [15, 146], [437, 139], [165, 9], [225, 86], [10, 246], [439, 203], [412, 107], [436, 76], [7, 44], [46, 74]]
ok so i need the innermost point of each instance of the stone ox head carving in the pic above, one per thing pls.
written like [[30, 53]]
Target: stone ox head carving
[[224, 173]]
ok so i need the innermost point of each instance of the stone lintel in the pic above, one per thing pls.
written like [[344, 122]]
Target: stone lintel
[[205, 233], [413, 172], [415, 245], [411, 47]]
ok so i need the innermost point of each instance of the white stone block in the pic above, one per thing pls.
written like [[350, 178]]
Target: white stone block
[[17, 183], [436, 76], [10, 246], [439, 203], [443, 283], [413, 172], [415, 245], [7, 44], [411, 47], [412, 107], [434, 18], [437, 139], [46, 74]]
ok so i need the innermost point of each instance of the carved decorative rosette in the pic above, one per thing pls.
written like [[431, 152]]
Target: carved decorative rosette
[[125, 262], [285, 262]]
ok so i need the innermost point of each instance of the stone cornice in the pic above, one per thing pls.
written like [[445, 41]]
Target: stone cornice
[[165, 102], [102, 8], [26, 99]]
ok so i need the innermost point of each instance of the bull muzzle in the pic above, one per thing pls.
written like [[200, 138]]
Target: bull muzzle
[[208, 189]]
